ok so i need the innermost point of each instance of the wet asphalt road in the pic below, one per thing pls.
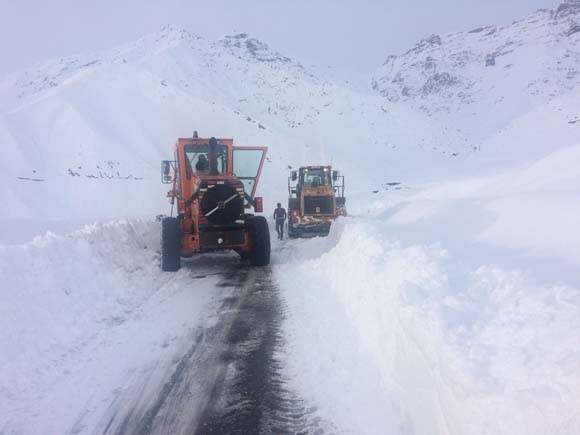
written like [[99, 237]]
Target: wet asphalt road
[[229, 381]]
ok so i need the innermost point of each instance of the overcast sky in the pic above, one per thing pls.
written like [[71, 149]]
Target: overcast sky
[[353, 34]]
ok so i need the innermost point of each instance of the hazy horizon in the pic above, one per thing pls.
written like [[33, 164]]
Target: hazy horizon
[[326, 32]]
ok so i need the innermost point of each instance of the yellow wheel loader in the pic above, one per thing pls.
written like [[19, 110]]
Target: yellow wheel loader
[[316, 199]]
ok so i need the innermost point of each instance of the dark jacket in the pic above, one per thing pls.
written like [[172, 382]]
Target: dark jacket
[[280, 213], [202, 165]]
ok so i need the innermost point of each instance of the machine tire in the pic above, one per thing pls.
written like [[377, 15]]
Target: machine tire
[[170, 244], [260, 238], [243, 255], [292, 233]]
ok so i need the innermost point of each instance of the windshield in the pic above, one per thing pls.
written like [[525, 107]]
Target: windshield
[[197, 158], [316, 177]]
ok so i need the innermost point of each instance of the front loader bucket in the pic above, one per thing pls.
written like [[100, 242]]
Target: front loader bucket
[[309, 231]]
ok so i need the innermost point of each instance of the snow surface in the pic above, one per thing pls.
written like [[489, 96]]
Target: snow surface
[[454, 349], [448, 302], [87, 316], [478, 81]]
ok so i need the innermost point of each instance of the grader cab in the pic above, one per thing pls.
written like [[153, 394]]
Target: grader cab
[[214, 185], [316, 199]]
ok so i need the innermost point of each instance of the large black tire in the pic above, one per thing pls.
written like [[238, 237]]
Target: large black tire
[[170, 244], [260, 238], [292, 232]]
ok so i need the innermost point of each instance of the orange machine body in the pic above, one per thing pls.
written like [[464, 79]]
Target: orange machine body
[[190, 186]]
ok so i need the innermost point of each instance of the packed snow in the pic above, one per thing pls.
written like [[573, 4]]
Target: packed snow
[[447, 302], [454, 349], [83, 316]]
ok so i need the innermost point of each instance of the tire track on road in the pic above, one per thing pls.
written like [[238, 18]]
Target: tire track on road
[[229, 380]]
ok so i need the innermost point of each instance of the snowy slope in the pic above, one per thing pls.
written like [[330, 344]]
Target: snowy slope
[[93, 128], [479, 81]]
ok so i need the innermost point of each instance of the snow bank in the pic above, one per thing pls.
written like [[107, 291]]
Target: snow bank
[[57, 290], [88, 319], [459, 350], [80, 317], [525, 215]]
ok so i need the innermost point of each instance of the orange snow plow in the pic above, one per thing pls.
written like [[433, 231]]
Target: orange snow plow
[[214, 185]]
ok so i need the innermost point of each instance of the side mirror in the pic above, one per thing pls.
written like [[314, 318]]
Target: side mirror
[[334, 175], [166, 177], [259, 204], [294, 175]]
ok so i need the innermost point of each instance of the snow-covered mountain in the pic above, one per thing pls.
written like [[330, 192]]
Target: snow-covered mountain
[[479, 81], [91, 124], [76, 129]]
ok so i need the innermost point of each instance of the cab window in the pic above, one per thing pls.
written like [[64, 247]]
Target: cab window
[[198, 158], [316, 177]]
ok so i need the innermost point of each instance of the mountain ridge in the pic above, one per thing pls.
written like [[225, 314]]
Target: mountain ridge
[[124, 106]]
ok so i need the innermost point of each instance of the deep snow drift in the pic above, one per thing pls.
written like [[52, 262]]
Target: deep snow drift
[[85, 316], [454, 349]]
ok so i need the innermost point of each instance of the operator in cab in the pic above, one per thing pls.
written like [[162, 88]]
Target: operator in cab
[[280, 217], [202, 163]]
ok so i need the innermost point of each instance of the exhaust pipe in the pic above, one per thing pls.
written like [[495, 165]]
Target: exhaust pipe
[[212, 156]]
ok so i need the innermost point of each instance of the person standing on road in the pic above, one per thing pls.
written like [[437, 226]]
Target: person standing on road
[[280, 218]]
